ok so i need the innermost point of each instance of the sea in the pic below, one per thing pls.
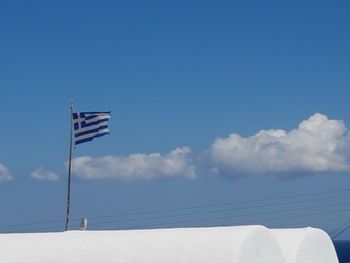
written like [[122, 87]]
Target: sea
[[343, 250]]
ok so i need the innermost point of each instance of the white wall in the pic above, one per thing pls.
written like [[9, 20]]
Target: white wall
[[240, 244], [248, 244], [305, 245]]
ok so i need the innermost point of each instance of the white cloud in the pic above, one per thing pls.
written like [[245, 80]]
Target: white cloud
[[137, 166], [4, 174], [317, 145], [44, 175]]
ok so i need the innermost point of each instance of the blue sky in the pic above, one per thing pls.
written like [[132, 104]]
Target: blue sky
[[176, 75]]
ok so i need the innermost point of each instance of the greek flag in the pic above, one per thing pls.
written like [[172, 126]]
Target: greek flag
[[90, 125]]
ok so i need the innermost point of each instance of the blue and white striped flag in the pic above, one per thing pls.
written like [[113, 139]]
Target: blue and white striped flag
[[90, 125]]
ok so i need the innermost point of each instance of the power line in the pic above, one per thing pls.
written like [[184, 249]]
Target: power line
[[217, 204], [341, 232], [33, 223], [200, 220], [340, 227], [41, 229], [228, 209], [303, 222], [228, 217], [204, 206], [207, 212]]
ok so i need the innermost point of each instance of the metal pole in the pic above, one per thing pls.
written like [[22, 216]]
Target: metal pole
[[69, 167]]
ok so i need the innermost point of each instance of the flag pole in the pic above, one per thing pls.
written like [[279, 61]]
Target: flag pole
[[69, 167]]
